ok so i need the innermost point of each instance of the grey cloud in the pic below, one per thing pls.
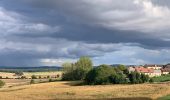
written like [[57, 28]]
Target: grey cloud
[[54, 29]]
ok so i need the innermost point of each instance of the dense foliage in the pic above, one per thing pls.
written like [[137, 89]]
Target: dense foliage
[[105, 74], [100, 75], [78, 70], [162, 78]]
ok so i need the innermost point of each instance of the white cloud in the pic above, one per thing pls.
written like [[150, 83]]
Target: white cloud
[[56, 62]]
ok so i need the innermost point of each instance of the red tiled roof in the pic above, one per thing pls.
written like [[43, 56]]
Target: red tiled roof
[[144, 70]]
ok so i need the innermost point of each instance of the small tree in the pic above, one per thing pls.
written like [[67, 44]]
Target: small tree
[[23, 77], [83, 66], [144, 78], [2, 83], [33, 77], [118, 78], [78, 70], [122, 67], [19, 73], [50, 80], [151, 80], [32, 82]]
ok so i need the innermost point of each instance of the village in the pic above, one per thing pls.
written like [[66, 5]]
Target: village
[[151, 70]]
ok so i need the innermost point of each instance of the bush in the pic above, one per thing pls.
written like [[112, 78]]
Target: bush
[[48, 76], [40, 77], [19, 73], [99, 75], [119, 78], [162, 78], [2, 83], [32, 82], [74, 75], [151, 80], [23, 77], [136, 78], [33, 77], [50, 80]]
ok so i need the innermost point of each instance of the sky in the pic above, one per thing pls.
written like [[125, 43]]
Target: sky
[[51, 32]]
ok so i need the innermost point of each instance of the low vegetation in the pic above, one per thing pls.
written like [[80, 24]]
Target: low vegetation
[[162, 78], [104, 74], [68, 90], [2, 83], [78, 70]]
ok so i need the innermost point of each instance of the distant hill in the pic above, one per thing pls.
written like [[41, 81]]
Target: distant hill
[[30, 69]]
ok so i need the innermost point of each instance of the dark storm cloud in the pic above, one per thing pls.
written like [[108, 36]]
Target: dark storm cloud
[[32, 30]]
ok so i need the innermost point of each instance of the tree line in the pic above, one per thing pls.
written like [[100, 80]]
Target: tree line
[[104, 74]]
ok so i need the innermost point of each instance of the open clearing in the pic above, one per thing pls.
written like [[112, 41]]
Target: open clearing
[[66, 90]]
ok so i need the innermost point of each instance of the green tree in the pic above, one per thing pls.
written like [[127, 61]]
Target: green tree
[[78, 70], [122, 67], [144, 78], [67, 67], [99, 75], [151, 80], [118, 78]]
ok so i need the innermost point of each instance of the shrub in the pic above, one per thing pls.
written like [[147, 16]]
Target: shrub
[[48, 76], [33, 77], [118, 78], [32, 82], [2, 83], [50, 80], [40, 77], [23, 77], [19, 73], [99, 75], [136, 78], [151, 80]]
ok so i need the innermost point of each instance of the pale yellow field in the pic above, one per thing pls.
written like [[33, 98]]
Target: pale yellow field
[[29, 74], [9, 75], [64, 90], [42, 74]]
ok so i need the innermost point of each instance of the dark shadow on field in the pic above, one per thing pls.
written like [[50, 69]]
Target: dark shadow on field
[[74, 83], [132, 98]]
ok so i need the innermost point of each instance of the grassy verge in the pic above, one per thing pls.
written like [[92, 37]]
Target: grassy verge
[[165, 98], [163, 78]]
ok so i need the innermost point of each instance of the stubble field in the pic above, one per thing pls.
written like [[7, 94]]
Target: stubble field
[[67, 90]]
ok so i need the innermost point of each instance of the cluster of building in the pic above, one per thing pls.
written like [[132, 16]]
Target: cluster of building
[[151, 70]]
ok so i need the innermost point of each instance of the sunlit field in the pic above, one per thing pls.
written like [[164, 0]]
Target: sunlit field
[[68, 90], [29, 74]]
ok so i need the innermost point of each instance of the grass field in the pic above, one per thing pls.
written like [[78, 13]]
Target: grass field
[[67, 90], [42, 74], [29, 74]]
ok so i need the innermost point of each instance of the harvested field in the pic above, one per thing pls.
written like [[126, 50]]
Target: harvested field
[[67, 90]]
